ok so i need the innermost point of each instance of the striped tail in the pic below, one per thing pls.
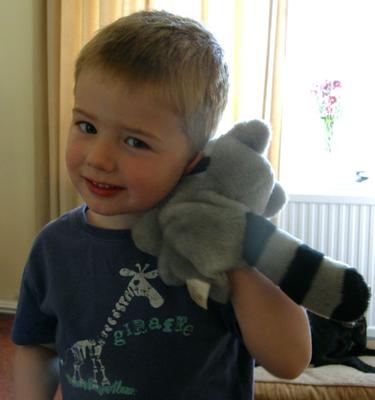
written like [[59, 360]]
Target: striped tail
[[322, 285]]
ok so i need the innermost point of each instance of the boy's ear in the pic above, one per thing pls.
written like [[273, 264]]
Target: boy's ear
[[193, 162]]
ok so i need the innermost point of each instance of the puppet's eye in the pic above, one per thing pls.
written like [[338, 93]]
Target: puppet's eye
[[201, 166]]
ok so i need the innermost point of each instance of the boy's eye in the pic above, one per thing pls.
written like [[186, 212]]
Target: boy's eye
[[87, 128], [134, 142]]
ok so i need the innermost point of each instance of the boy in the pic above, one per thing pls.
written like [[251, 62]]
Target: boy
[[150, 89]]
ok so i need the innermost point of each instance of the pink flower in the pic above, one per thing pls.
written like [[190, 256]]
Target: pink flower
[[332, 99], [336, 84], [328, 101], [327, 85], [328, 97]]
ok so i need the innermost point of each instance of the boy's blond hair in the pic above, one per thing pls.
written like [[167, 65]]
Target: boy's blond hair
[[176, 55]]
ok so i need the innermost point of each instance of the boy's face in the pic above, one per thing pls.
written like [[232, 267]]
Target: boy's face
[[126, 150]]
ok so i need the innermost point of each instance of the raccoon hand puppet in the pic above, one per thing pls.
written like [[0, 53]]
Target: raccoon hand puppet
[[216, 219]]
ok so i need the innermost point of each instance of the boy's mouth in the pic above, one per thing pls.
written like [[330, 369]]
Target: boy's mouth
[[103, 189]]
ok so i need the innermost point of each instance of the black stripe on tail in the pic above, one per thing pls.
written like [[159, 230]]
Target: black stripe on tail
[[355, 297], [304, 266]]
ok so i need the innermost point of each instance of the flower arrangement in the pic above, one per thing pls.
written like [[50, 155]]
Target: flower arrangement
[[327, 94]]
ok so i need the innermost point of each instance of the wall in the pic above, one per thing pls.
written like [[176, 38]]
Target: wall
[[22, 126]]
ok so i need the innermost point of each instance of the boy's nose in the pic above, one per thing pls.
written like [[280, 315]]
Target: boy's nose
[[102, 155]]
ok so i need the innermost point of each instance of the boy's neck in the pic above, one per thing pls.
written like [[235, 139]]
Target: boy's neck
[[123, 221]]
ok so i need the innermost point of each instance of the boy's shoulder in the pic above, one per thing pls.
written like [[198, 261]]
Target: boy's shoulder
[[65, 224], [53, 240]]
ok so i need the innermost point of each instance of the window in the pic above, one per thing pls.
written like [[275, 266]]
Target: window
[[329, 42]]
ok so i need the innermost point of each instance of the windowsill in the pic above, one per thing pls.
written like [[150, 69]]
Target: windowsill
[[335, 197], [361, 192]]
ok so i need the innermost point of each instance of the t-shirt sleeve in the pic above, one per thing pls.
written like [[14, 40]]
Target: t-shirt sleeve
[[35, 322]]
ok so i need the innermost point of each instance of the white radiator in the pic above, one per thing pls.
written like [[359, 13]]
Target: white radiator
[[340, 227]]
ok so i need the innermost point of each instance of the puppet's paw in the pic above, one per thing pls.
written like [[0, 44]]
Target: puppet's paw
[[147, 234], [208, 233], [174, 269], [220, 289]]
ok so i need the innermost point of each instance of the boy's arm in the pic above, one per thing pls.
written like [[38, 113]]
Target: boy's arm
[[275, 330], [35, 373]]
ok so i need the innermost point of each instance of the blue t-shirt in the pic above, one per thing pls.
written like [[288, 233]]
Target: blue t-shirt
[[119, 331]]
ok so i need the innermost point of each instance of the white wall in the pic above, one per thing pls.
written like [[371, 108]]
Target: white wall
[[22, 122]]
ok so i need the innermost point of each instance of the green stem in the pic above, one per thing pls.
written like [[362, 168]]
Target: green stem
[[328, 124]]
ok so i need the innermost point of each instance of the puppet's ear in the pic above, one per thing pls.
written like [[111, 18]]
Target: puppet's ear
[[256, 134], [276, 202]]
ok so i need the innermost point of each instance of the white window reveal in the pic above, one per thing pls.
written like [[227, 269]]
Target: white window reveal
[[328, 133]]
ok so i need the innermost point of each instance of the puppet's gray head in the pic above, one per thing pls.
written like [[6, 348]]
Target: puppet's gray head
[[235, 167]]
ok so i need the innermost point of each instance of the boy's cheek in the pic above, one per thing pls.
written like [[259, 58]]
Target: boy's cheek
[[74, 150], [69, 157]]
